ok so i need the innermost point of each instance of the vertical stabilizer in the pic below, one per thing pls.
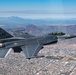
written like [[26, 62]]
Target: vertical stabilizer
[[4, 34]]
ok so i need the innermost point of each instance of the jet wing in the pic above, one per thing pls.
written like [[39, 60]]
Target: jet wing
[[31, 50]]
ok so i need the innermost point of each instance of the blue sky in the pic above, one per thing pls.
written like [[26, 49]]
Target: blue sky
[[36, 9]]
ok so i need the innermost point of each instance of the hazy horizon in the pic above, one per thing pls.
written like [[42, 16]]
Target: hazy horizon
[[59, 18], [38, 9]]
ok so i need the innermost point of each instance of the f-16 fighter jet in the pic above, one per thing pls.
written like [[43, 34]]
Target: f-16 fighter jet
[[21, 41]]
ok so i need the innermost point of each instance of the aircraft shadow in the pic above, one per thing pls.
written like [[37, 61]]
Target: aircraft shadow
[[54, 57], [41, 56]]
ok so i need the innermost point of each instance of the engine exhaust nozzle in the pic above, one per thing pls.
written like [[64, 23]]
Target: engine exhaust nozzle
[[1, 45]]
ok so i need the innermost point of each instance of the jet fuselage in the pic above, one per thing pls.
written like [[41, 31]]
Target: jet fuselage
[[45, 40], [25, 42]]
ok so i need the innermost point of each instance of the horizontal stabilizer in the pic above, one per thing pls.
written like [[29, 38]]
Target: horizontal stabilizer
[[3, 52], [31, 50], [22, 34]]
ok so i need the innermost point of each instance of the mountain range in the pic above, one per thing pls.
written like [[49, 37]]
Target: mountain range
[[39, 26], [35, 30], [21, 22]]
